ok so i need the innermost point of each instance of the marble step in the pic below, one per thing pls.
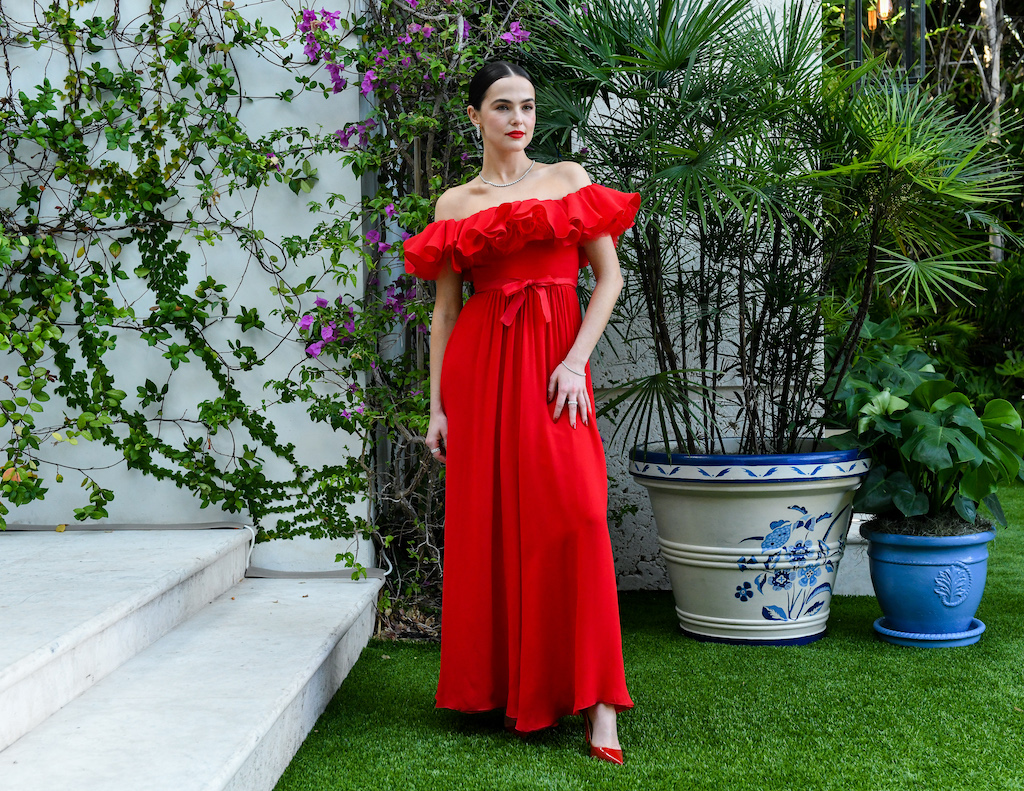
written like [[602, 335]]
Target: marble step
[[223, 701], [76, 605]]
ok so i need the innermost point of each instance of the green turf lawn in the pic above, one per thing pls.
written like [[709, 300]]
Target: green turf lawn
[[847, 712]]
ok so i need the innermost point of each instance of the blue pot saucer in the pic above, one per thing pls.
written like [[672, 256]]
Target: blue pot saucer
[[926, 640]]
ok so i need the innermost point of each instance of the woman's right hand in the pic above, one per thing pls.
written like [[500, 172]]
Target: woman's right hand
[[437, 436]]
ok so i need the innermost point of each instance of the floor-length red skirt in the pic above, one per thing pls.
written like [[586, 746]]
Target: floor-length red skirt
[[529, 614]]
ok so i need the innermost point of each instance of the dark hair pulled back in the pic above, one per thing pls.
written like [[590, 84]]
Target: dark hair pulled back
[[490, 73]]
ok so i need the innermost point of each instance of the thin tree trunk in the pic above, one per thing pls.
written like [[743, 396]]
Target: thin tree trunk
[[844, 356], [991, 18]]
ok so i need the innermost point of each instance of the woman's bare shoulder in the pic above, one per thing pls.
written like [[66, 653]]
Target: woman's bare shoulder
[[569, 175], [448, 204]]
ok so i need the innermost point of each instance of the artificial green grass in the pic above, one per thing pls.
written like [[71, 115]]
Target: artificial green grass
[[846, 712]]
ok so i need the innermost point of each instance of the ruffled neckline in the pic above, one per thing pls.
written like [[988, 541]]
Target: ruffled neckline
[[514, 203], [496, 231]]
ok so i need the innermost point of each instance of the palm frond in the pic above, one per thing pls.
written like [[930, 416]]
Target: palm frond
[[925, 279]]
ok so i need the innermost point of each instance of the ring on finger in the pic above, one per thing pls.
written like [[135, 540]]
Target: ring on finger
[[435, 450]]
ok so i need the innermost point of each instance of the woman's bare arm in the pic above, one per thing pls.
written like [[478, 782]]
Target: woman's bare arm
[[565, 386], [447, 306]]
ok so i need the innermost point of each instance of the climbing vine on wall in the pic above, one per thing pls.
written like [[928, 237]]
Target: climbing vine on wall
[[372, 350], [123, 151], [131, 188]]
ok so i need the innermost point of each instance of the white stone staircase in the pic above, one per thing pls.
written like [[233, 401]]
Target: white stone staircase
[[143, 660]]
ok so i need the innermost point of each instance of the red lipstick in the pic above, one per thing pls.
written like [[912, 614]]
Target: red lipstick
[[517, 135]]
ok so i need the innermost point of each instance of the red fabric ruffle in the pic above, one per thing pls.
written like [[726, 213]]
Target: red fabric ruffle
[[589, 213]]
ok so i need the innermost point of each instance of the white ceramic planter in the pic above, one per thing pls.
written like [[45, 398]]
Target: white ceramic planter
[[752, 543]]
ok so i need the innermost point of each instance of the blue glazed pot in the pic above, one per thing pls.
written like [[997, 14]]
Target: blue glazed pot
[[929, 587]]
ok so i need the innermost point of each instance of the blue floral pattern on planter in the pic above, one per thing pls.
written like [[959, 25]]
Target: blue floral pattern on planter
[[782, 580], [804, 560]]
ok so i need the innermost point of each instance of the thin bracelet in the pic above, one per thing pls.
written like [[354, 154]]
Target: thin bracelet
[[570, 370]]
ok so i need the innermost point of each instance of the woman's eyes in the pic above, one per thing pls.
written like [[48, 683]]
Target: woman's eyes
[[506, 107]]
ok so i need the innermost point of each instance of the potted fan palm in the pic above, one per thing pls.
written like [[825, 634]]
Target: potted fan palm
[[746, 151], [935, 458]]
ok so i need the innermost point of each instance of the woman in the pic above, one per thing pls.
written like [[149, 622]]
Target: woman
[[529, 610]]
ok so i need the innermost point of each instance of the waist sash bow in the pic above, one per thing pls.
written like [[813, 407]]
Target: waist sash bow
[[518, 288]]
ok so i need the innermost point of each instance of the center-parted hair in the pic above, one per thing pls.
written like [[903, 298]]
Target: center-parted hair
[[490, 73]]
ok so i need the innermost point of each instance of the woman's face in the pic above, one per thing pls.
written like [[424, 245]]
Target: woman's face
[[507, 114]]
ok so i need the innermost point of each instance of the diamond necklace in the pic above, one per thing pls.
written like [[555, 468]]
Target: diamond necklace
[[485, 181]]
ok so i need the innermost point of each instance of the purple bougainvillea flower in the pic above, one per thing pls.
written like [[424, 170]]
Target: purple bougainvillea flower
[[382, 56], [389, 210], [515, 34], [405, 235], [350, 326], [314, 349], [330, 18], [364, 131], [339, 82], [406, 61], [415, 27], [329, 333], [367, 87], [359, 409], [320, 302], [372, 237], [312, 48], [305, 322], [465, 28], [383, 247], [427, 31], [308, 18], [345, 135], [406, 39], [413, 3]]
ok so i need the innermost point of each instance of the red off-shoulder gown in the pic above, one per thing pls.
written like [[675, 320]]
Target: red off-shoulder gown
[[529, 614]]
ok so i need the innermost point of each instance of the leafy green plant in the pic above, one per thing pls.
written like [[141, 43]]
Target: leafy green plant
[[962, 323], [719, 115], [121, 152], [932, 451]]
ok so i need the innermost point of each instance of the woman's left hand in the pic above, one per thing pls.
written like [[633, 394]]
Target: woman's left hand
[[569, 389]]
